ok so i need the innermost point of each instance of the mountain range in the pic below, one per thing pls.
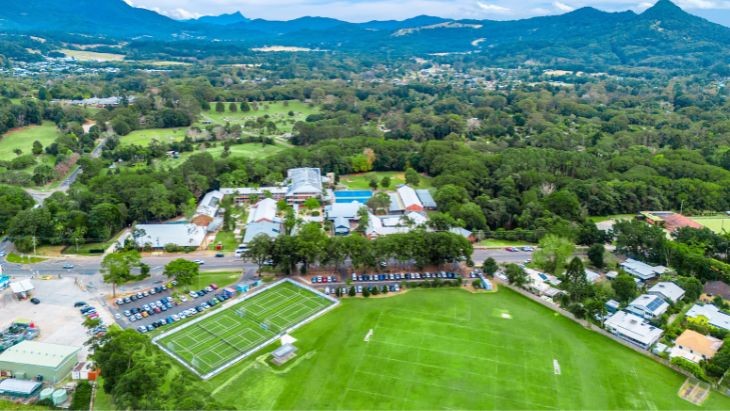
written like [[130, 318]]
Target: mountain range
[[662, 36]]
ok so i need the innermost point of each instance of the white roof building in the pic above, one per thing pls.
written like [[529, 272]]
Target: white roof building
[[409, 198], [304, 181], [22, 286], [716, 317], [394, 224], [641, 270], [668, 291], [264, 210], [210, 203], [648, 306], [343, 210], [592, 276], [267, 228], [633, 329], [159, 235]]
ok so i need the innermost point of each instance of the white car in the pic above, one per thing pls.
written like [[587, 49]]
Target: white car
[[199, 262]]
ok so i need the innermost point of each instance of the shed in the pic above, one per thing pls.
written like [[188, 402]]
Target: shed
[[13, 387], [21, 288], [283, 354], [30, 359]]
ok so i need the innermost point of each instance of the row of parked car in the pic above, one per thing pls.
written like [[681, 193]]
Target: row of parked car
[[218, 298], [404, 276], [89, 311], [516, 249], [324, 279], [359, 288], [152, 308], [144, 294]]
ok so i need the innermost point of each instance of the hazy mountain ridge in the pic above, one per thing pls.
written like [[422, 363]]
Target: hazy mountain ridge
[[663, 35]]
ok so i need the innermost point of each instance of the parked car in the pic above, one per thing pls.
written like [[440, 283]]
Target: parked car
[[199, 262], [35, 301]]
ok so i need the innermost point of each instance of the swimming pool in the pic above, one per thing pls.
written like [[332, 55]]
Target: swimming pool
[[348, 196]]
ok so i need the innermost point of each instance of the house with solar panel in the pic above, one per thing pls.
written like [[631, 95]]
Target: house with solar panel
[[648, 306]]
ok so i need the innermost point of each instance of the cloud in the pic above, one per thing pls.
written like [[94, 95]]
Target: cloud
[[563, 7], [494, 8]]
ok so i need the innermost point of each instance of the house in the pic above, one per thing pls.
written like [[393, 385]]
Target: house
[[612, 306], [342, 214], [592, 276], [633, 329], [394, 224], [648, 306], [669, 220], [542, 284], [463, 232], [695, 347], [642, 271], [409, 199], [159, 235], [426, 199], [714, 315], [209, 204], [717, 288], [271, 229], [263, 211], [669, 291]]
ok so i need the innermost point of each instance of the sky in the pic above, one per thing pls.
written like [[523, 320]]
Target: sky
[[365, 10]]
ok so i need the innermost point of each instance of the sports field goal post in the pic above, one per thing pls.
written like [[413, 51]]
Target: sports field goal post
[[241, 312]]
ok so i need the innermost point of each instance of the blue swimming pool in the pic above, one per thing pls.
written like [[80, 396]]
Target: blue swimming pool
[[348, 196]]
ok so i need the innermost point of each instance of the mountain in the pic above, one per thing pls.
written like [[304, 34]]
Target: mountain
[[662, 37], [221, 20]]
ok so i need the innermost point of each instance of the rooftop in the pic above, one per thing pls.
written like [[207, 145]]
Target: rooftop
[[634, 327], [270, 229], [304, 180], [343, 210], [698, 343], [715, 288], [182, 235], [38, 353], [642, 270], [426, 198], [22, 387], [209, 204], [668, 289], [264, 210], [284, 350], [409, 197], [716, 317], [651, 303]]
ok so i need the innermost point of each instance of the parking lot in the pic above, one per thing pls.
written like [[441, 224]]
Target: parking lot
[[55, 315], [330, 283], [157, 307]]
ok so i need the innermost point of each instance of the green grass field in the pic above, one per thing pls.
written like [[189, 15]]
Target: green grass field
[[450, 349], [278, 112], [249, 150], [23, 138], [219, 278], [362, 181], [718, 224], [599, 219], [83, 55], [144, 137], [227, 334], [493, 242]]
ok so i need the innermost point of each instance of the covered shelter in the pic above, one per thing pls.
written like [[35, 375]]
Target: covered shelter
[[283, 354], [15, 388]]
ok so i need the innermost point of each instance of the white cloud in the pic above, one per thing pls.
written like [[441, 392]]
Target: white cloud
[[563, 7], [494, 8]]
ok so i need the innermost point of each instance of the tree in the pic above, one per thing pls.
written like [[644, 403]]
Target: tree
[[245, 107], [184, 271], [516, 275], [373, 183], [311, 243], [576, 283], [692, 287], [312, 203], [260, 249], [380, 201], [490, 266], [412, 177], [625, 287], [220, 107], [233, 107], [366, 291], [595, 255], [116, 267], [37, 148], [385, 182], [552, 253], [352, 292]]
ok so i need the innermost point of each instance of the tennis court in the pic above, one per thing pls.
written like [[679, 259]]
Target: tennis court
[[213, 342]]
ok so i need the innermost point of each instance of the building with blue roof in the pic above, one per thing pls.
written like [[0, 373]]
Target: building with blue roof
[[426, 199]]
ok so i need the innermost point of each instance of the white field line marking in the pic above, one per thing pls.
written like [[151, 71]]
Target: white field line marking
[[368, 335], [556, 367]]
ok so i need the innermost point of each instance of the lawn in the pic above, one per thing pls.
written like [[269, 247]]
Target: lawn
[[145, 137], [493, 242], [227, 239], [24, 259], [278, 112], [362, 181], [83, 55], [450, 349], [209, 344], [219, 278], [599, 219], [718, 223], [102, 400], [248, 150], [23, 138]]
